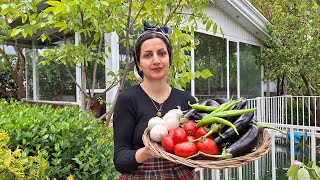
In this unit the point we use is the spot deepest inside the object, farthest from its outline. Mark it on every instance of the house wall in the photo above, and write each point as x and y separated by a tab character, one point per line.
232	32
231	29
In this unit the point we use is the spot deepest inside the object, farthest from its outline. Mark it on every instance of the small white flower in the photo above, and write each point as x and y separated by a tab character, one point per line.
297	163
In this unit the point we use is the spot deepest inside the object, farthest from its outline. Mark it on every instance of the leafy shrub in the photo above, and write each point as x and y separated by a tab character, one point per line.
14	166
300	171
76	143
8	88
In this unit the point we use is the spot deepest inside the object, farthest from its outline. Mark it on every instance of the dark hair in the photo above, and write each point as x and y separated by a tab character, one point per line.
145	36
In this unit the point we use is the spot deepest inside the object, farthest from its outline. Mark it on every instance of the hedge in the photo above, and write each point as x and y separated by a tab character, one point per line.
74	143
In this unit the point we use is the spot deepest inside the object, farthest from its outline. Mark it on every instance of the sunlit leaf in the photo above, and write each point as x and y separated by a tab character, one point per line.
315	171
4	6
303	174
58	9
72	3
14	32
63	28
4	9
29	5
292	170
104	3
60	24
96	36
53	3
215	28
24	34
221	31
208	25
206	73
49	9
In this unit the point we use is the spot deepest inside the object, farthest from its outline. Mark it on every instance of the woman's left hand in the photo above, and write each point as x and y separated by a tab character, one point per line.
144	154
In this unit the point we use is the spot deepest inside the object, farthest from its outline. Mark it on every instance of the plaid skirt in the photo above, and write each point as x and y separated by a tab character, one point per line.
160	169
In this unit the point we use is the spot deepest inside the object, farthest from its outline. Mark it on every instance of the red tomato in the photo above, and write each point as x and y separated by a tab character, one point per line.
201	131
179	135
168	143
208	146
190	127
171	132
185	149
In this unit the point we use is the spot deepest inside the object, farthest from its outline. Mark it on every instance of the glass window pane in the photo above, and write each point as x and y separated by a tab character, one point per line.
211	54
233	69
130	79
250	72
100	75
55	84
28	74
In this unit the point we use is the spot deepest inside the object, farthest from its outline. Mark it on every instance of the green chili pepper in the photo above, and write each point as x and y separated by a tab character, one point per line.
219	108
228	106
230	113
222	106
202	107
261	126
210	120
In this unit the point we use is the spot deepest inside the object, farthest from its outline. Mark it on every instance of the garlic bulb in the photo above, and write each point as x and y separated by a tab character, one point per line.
158	132
177	111
154	121
171	121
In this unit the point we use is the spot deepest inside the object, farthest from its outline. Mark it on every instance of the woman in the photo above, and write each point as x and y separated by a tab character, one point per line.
137	104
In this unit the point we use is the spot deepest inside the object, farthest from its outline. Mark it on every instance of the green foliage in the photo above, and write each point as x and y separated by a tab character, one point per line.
8	89
92	18
265	7
4	29
292	50
300	171
15	166
75	143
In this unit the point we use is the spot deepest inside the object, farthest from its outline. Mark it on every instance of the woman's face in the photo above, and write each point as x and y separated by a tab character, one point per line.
154	59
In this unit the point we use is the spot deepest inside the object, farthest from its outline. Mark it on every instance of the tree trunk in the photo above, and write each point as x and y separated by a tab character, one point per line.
318	117
83	102
128	64
310	92
17	72
285	89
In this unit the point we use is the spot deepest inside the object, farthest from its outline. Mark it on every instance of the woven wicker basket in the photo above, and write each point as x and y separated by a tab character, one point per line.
261	149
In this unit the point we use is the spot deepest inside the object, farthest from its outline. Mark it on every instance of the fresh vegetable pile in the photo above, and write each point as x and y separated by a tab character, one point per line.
214	128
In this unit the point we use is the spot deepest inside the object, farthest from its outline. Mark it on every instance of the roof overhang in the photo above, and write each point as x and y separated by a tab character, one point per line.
26	42
244	13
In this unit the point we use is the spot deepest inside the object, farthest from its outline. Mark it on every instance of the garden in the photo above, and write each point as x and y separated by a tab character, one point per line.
40	142
59	87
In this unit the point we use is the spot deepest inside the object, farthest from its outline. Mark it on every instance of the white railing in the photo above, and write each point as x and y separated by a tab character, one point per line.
290	113
294	110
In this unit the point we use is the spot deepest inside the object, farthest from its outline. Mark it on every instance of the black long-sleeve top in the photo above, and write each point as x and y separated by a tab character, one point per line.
133	110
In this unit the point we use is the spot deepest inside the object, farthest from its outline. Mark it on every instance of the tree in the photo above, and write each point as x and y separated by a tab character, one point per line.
292	51
91	19
12	66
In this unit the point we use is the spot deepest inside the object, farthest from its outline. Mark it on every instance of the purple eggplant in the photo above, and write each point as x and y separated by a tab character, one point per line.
191	113
221	100
213	103
242	124
246	142
241	105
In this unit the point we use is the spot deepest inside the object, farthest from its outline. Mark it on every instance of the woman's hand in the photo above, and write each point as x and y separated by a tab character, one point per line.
144	154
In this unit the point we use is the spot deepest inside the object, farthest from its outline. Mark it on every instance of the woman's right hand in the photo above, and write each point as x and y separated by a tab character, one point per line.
143	154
